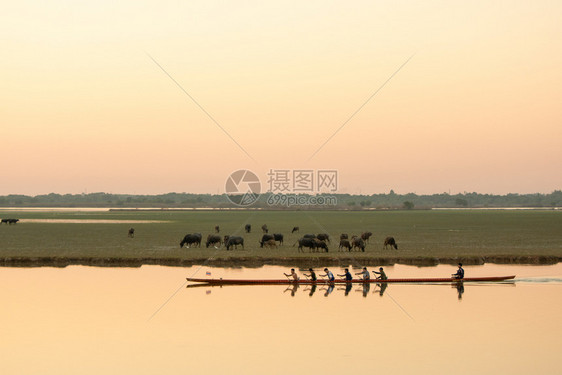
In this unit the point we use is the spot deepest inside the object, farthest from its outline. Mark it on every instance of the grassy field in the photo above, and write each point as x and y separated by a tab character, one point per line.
443	235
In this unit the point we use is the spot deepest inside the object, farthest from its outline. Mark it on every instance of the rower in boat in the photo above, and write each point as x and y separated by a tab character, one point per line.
293	274
347	275
460	273
312	275
365	274
381	273
329	275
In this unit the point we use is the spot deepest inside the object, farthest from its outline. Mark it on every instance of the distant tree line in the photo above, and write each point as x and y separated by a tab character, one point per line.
344	201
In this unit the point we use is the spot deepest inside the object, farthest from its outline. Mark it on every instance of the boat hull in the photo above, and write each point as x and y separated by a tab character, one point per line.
354	281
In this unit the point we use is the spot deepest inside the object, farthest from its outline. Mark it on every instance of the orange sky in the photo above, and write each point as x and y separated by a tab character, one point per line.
84	108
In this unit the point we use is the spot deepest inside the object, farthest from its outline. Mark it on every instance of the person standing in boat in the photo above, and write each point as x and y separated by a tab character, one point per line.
293	274
312	275
365	273
347	275
329	275
460	273
381	273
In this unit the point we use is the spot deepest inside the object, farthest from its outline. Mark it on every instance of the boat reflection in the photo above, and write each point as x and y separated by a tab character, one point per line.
292	288
460	288
380	288
311	289
364	289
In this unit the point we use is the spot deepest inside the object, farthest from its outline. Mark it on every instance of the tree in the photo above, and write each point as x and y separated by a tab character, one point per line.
461	202
408	205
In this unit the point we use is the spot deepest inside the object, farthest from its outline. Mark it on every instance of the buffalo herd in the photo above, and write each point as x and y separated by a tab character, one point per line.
311	242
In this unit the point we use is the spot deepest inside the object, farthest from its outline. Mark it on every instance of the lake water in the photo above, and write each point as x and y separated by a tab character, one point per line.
145	320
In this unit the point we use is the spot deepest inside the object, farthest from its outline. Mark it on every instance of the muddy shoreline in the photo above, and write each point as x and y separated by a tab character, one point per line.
255	262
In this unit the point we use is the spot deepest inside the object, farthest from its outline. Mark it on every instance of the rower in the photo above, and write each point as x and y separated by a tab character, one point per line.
460	273
365	273
381	273
347	275
328	274
293	274
312	275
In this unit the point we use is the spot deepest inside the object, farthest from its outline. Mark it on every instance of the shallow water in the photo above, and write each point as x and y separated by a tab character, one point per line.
116	320
90	221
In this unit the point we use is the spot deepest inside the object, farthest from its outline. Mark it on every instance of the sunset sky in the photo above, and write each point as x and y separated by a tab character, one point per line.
84	108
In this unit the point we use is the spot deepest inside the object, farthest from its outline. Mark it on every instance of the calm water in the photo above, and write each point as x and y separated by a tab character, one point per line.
108	320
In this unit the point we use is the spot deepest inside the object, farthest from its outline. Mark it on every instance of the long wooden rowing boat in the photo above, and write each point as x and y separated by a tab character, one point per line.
355	281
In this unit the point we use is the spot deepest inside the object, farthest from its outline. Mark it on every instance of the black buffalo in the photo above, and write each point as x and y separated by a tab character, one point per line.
264	228
365	236
357	242
389	241
131	232
278	237
295	229
344	236
323	237
321	244
192	238
10	221
217	229
234	241
213	240
307	242
345	244
309	236
248	228
265	238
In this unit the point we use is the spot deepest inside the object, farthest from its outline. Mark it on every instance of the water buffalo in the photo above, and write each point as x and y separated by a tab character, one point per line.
234	241
358	242
264	228
345	244
265	238
344	236
270	243
10	221
131	232
365	236
307	242
321	244
323	237
217	229
295	229
389	241
192	238
278	237
213	240
248	228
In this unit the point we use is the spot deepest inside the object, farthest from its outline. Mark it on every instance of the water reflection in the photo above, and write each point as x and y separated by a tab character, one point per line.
460	288
381	288
292	288
92	320
328	288
311	289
